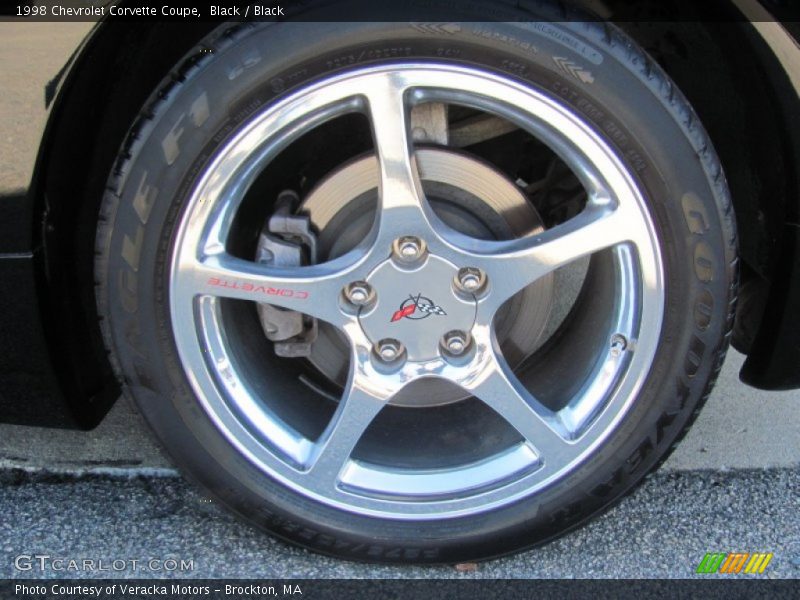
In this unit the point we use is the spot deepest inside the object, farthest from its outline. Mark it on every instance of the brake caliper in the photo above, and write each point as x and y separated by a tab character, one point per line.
287	241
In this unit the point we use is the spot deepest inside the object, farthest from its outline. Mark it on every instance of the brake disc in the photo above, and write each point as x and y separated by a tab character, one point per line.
469	196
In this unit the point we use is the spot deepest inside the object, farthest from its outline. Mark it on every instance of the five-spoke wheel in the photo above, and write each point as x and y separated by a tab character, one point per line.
423	291
412	265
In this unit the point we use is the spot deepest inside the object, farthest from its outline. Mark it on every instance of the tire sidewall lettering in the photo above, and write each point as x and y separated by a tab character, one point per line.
201	117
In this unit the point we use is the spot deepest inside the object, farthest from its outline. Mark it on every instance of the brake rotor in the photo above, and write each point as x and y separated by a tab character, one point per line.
471	197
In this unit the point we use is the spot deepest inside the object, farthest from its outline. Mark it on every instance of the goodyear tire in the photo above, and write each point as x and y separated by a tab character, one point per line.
676	278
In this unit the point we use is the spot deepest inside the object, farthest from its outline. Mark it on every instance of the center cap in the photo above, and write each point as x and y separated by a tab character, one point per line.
417	306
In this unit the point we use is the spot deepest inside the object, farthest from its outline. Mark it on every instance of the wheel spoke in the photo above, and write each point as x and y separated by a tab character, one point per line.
313	290
357	409
407	258
502	391
514	264
402	207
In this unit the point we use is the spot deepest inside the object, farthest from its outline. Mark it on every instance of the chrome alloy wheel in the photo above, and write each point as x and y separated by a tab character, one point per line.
464	280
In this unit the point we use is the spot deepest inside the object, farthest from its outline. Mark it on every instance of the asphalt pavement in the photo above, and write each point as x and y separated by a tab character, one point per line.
111	494
661	531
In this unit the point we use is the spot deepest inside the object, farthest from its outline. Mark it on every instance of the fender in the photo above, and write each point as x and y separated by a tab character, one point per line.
773	362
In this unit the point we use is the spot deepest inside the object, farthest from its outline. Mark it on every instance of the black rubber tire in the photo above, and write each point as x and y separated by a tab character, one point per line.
621	93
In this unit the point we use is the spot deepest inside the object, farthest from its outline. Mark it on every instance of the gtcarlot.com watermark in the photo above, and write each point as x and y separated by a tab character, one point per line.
45	563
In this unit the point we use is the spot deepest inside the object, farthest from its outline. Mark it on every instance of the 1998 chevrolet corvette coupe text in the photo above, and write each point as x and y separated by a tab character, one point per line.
414	291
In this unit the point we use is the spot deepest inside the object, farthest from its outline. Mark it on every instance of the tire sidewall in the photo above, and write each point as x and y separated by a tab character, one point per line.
261	64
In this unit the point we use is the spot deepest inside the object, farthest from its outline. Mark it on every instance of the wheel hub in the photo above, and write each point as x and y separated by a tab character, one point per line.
417	306
469	196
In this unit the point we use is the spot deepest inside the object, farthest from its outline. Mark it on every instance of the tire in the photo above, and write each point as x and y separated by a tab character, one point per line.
674	291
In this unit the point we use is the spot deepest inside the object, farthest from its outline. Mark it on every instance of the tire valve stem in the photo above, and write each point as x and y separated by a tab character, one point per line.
618	344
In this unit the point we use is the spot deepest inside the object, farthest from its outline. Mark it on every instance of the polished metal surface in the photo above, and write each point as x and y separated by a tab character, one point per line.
416	305
470	196
359	293
551	443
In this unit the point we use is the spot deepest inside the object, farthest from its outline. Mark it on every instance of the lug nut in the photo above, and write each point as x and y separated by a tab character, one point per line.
455	343
358	293
470	280
408	248
389	350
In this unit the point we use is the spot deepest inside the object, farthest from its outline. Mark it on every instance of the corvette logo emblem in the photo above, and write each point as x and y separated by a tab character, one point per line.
416	308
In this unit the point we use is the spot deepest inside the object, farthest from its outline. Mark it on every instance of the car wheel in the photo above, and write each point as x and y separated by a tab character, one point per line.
417	292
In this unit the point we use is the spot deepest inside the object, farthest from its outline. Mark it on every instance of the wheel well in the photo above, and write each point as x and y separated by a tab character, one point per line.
117	69
732	81
745	101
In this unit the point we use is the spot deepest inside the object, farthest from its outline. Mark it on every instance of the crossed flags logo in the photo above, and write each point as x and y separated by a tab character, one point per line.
416	308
